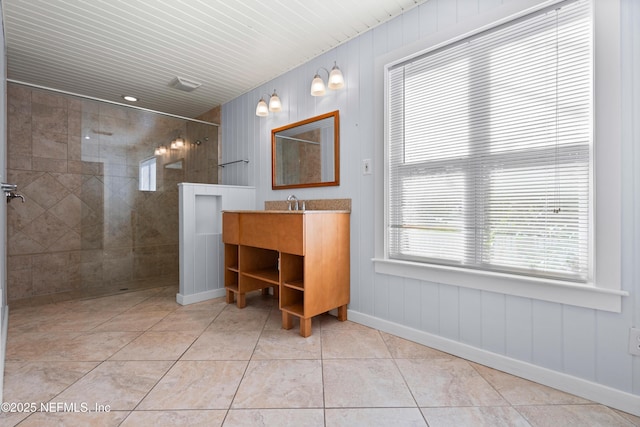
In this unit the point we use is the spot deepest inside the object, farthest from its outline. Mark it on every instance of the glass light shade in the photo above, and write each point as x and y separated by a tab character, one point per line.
262	110
162	149
336	80
157	152
274	103
178	143
317	86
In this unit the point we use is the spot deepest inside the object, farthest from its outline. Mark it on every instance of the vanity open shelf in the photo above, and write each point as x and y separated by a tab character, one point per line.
302	255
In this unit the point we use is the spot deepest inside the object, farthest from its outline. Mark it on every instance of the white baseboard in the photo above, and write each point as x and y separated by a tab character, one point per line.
599	393
200	296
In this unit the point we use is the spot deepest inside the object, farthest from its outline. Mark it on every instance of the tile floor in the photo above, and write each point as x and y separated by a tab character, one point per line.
156	363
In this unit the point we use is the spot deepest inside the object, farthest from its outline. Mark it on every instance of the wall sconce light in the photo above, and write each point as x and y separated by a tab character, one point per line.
197	142
177	143
335	81
274	105
160	150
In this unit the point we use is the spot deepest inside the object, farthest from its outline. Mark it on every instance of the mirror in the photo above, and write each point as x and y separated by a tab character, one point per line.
306	153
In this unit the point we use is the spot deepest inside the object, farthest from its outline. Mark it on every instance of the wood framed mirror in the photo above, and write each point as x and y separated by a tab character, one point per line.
306	153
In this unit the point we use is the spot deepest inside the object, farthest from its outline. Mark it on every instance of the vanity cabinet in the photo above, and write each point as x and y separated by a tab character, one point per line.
302	255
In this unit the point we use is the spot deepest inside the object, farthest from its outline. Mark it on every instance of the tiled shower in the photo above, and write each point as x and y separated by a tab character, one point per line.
86	228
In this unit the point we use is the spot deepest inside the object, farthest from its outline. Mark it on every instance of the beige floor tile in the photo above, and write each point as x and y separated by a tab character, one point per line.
113	303
572	415
121	385
280	384
361	383
374	417
196	385
274	321
35	345
225	345
58	321
213	306
330	322
353	343
75	419
447	382
188	321
157	303
41	381
132	321
66	346
8	419
635	420
275	417
233	318
518	391
210	418
239	367
487	416
405	349
156	346
91	346
283	344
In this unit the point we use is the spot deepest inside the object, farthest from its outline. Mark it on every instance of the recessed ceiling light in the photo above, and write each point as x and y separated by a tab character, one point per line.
129	98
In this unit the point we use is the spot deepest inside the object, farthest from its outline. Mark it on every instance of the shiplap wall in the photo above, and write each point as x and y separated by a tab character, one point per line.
583	343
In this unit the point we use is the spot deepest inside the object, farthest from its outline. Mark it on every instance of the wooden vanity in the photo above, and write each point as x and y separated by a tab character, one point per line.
302	255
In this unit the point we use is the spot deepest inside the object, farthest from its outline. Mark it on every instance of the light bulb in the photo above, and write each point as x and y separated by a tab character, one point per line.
336	80
317	86
274	103
262	110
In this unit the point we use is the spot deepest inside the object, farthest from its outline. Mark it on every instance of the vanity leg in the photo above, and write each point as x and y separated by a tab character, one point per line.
242	301
265	291
342	313
229	296
276	292
287	320
305	326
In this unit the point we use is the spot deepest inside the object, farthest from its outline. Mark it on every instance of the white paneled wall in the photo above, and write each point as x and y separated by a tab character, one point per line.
536	339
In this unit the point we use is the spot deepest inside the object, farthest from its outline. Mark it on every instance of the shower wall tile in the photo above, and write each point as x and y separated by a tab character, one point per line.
48	165
45	191
49	145
19	161
85	223
70	241
19	243
45	230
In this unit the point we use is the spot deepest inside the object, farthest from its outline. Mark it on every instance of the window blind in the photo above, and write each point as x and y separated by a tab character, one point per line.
489	147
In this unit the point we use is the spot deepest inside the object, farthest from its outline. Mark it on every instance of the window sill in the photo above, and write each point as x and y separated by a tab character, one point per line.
587	296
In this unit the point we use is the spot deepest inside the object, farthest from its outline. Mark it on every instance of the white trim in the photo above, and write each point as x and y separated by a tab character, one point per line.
200	296
605	293
523	286
608	396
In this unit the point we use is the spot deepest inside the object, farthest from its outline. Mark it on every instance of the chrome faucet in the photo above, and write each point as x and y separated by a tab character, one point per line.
290	199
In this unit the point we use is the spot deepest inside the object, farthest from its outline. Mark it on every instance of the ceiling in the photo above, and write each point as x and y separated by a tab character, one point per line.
106	49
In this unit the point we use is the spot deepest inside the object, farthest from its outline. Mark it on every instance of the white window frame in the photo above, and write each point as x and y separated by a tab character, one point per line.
604	292
150	165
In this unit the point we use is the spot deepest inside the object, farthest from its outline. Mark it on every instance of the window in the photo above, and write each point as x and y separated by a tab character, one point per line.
490	159
147	181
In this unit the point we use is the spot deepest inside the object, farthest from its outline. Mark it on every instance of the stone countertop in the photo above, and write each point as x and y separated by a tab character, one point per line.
341	205
286	211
